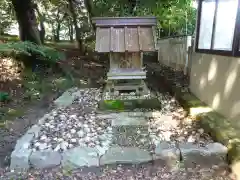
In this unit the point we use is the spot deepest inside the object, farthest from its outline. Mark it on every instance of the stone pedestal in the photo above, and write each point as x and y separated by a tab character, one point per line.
129	101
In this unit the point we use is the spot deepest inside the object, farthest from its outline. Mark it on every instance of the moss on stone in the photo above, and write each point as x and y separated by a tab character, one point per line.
121	105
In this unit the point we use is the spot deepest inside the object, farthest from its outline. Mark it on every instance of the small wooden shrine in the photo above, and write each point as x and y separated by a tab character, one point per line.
125	39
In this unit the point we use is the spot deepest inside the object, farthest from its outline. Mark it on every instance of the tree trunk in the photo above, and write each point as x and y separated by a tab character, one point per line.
27	21
42	27
58	32
77	30
89	7
1	31
70	30
42	32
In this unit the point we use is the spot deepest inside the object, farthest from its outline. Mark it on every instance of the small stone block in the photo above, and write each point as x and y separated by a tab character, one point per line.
126	120
79	157
35	129
45	159
20	158
64	100
24	141
168	153
193	155
125	155
217	149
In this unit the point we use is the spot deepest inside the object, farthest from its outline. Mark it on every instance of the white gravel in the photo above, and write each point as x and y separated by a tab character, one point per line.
79	124
75	125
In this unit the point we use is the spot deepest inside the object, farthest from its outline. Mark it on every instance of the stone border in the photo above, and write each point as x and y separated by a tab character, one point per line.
20	155
23	158
221	129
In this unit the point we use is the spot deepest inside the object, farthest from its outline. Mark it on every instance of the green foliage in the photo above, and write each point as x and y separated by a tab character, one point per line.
6	14
29	49
4	96
175	17
9	38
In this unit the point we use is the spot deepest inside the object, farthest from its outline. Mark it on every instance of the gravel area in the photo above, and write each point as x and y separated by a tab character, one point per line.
175	125
74	125
79	124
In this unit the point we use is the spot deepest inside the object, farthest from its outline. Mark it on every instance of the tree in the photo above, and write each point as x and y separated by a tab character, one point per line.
41	21
70	29
171	14
89	6
77	29
6	14
26	18
132	6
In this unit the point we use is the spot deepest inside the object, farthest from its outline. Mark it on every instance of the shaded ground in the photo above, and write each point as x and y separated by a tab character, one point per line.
32	94
88	72
147	171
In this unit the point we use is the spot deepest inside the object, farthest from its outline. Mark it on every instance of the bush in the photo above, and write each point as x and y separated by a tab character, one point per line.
31	50
9	38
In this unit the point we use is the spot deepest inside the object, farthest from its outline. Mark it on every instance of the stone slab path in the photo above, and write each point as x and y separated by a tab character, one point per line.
75	134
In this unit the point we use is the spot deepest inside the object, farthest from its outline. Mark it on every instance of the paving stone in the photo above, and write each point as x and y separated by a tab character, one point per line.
168	152
154	114
217	149
194	155
65	99
132	136
79	157
137	114
24	141
35	129
126	155
45	159
125	120
107	116
43	119
20	158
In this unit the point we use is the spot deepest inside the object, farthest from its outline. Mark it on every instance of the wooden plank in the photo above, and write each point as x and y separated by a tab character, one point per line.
132	39
125	77
111	40
111	60
127	87
130	73
103	40
136	62
125	38
118	40
97	46
139	39
124	21
147	39
141	59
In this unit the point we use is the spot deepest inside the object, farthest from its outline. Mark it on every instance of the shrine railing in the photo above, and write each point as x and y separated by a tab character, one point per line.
175	52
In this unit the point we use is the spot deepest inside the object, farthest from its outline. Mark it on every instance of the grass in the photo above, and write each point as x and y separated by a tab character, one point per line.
8	114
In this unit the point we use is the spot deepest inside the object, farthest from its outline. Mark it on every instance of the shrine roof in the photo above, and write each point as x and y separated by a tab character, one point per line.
121	34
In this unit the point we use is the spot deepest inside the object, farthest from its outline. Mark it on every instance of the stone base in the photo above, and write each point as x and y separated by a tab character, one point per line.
128	101
129	104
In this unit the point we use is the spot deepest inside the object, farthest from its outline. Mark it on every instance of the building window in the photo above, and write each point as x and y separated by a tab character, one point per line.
218	27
